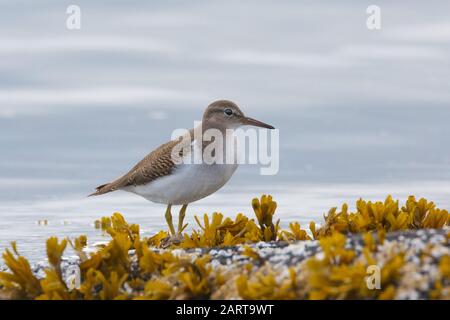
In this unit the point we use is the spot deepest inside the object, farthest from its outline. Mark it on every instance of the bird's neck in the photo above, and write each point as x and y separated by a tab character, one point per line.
202	136
214	125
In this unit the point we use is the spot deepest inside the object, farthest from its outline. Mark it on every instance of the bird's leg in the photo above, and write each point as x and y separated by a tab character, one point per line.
169	219
181	219
174	238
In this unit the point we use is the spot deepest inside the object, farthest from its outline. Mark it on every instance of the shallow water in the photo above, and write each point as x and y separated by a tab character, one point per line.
74	216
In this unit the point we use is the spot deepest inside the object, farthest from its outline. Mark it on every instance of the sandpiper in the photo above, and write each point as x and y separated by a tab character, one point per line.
158	178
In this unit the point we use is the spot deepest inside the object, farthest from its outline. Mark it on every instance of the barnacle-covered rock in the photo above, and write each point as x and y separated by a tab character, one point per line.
380	251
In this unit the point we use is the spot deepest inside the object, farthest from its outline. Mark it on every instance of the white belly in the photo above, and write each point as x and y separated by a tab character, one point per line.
186	184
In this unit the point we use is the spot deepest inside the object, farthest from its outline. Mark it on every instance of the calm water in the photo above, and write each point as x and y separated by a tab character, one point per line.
360	113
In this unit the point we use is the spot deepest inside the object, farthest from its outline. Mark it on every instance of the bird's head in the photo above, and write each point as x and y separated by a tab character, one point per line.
227	115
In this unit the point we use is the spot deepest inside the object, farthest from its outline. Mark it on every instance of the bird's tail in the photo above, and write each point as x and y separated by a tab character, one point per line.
104	188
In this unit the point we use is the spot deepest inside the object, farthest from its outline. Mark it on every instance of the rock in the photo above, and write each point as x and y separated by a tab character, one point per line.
422	249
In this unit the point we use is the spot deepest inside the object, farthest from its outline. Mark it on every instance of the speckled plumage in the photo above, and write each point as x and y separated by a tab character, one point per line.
156	164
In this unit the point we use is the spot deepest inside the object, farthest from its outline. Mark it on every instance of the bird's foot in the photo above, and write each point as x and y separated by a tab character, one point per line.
170	240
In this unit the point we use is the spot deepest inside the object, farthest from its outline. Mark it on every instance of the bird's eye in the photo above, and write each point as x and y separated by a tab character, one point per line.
228	112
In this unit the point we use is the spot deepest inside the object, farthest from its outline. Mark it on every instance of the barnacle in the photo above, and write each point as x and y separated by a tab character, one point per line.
249	252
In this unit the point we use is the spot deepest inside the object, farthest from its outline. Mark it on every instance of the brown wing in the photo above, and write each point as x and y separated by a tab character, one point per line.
155	165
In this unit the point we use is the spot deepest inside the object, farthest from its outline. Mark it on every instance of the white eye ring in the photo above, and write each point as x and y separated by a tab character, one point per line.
228	112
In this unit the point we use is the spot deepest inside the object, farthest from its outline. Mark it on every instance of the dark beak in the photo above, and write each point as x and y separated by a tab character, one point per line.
252	122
